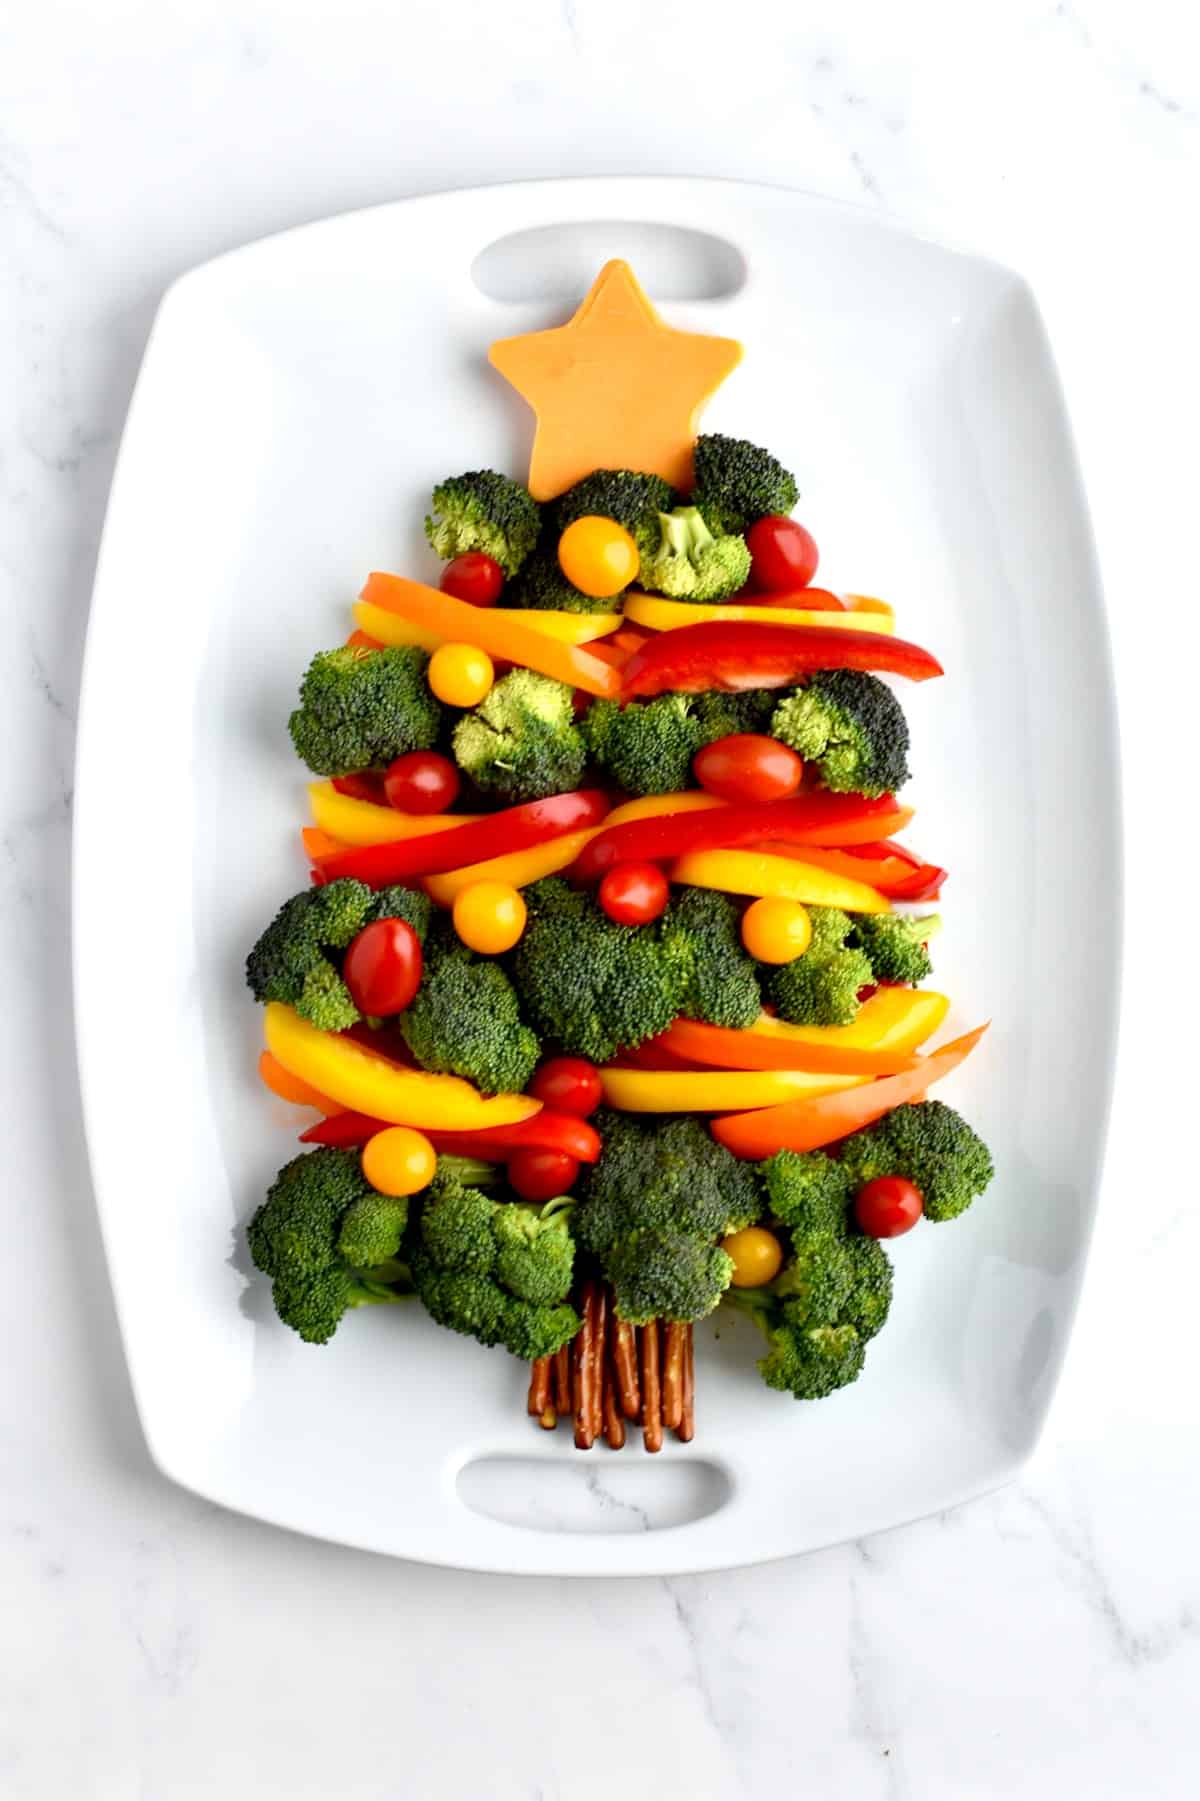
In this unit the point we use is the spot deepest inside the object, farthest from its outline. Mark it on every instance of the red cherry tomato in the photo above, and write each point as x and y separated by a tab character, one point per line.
541	1175
473	577
382	969
421	782
633	894
888	1206
568	1085
747	768
782	553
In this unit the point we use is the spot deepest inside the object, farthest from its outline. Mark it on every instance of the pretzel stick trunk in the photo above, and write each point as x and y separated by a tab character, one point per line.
652	1426
599	1360
625	1368
672	1374
614	1424
687	1423
539	1386
581	1369
561	1376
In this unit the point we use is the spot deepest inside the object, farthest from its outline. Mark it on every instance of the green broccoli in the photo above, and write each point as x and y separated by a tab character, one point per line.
592	985
689	563
737	483
896	944
327	1241
821	987
931	1146
722	986
499	1279
665	1275
542	584
360	708
521	743
633	500
648	746
851	727
484	511
808	1190
296	959
465	1019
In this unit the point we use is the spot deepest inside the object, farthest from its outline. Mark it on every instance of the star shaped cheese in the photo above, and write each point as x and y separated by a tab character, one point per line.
614	388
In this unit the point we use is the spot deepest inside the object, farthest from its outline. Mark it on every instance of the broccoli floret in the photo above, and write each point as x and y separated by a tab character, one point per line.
484	511
633	500
812	1363
535	1252
808	1191
327	1240
592	985
870	1296
722	985
737	483
408	904
821	987
930	1145
296	959
666	1275
896	944
465	1019
648	746
360	708
521	743
851	726
720	714
689	563
542	584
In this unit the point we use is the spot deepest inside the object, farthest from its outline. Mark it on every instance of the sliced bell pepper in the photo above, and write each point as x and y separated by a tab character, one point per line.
807	1125
494	835
923	881
320	844
358	1078
344	1130
867	603
288	1087
893	1019
360	640
382	627
659	615
366	784
748	654
816	818
518	868
713	1090
893	876
544	1131
757	872
491	629
773	1044
366	822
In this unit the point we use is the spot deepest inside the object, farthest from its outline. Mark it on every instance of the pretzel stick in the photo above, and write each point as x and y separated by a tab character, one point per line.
599	1361
672	1374
614	1425
581	1370
687	1423
562	1379
652	1432
539	1385
625	1368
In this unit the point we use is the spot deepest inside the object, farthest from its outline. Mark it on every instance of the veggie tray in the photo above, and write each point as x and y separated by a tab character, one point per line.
601	986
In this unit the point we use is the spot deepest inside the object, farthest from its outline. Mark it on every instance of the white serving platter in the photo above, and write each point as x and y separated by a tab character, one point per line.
297	401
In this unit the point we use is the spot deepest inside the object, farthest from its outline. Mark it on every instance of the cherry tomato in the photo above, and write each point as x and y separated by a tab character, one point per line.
633	894
757	1256
382	969
783	554
888	1206
489	916
421	782
568	1085
598	556
474	577
776	930
399	1161
541	1175
460	674
748	767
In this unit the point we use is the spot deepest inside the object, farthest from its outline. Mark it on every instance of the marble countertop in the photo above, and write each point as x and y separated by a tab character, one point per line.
1044	1641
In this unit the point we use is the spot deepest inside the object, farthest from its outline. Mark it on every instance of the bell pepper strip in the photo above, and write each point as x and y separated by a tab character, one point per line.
655	1053
813	600
713	1090
725	1048
892	876
320	844
894	1019
382	627
360	640
494	835
544	1131
732	655
361	1079
288	1087
362	822
364	785
867	603
345	1130
816	818
491	629
659	615
518	868
757	872
808	1125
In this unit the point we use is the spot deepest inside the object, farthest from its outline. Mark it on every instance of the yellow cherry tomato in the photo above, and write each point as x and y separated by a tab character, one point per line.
757	1255
489	916
460	674
776	930
399	1161
598	556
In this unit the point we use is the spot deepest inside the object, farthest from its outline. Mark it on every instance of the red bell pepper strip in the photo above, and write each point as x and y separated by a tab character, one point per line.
361	787
517	828
809	1125
345	1130
924	881
737	654
894	876
545	1131
815	818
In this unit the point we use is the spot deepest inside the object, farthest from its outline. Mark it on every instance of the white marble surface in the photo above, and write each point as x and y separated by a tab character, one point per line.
1040	1643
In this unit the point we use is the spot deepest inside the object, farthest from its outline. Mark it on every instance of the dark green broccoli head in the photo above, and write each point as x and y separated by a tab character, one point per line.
930	1145
896	944
821	988
521	743
408	904
465	1019
870	1297
722	983
484	511
633	500
648	746
535	1252
372	1228
808	1191
737	483
812	1362
851	727
360	708
542	585
663	1173
666	1275
689	563
720	715
298	958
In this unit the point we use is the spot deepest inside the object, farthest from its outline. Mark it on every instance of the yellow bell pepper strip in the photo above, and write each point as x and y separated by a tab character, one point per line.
758	872
365	822
569	628
773	1044
894	1020
491	629
494	835
658	806
518	868
714	1090
867	603
288	1087
365	1082
659	615
808	1125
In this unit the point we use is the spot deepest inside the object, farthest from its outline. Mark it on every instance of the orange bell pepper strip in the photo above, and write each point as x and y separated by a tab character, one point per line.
760	873
360	640
364	822
488	628
894	876
712	1090
808	1125
382	627
288	1087
788	1047
320	844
